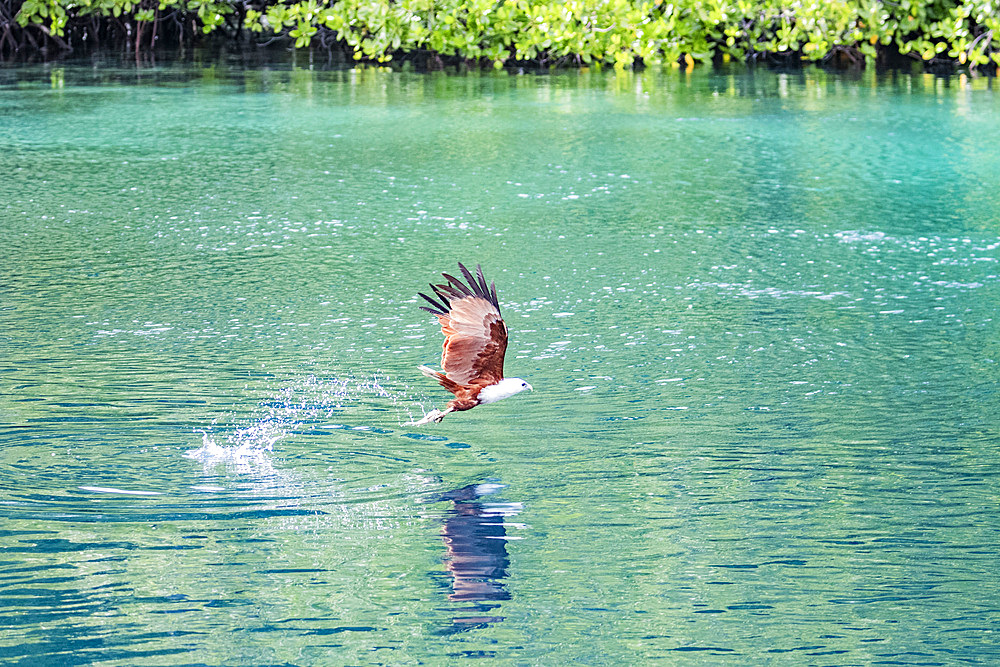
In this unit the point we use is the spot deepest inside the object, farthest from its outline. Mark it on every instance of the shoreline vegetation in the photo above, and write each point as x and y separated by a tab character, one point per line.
941	35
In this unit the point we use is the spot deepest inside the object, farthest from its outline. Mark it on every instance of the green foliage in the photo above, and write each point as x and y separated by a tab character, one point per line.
602	32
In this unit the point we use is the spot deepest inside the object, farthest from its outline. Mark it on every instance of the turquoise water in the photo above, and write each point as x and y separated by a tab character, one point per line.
757	310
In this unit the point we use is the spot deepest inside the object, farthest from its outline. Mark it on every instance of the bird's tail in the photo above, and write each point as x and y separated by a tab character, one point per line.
441	378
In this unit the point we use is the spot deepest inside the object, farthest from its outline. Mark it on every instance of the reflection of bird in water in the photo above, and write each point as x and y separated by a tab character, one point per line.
476	540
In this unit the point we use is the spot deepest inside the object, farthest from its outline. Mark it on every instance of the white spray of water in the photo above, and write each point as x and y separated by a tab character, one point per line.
248	449
311	401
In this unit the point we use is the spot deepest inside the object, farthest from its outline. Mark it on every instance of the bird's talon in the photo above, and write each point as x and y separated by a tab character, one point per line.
432	416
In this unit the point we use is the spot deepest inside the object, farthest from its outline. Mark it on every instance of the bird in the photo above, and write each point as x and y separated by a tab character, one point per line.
474	344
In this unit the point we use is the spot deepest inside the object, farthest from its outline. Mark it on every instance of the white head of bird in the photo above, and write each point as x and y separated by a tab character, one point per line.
505	388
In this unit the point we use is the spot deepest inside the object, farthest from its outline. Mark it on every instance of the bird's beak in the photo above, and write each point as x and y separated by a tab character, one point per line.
530	388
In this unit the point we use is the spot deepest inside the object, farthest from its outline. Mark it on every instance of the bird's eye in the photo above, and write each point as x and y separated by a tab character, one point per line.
524	384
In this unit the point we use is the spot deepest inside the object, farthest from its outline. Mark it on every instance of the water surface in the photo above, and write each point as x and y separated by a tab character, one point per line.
757	308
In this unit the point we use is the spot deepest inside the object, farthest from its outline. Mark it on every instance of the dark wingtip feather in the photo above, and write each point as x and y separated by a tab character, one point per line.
478	283
469	279
456	289
450	293
439	308
458	284
481	281
489	291
440	292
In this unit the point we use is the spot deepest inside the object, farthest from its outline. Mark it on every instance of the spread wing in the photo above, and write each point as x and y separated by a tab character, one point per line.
475	333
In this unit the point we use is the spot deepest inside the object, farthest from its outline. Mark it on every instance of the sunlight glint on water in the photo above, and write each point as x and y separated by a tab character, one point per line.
757	310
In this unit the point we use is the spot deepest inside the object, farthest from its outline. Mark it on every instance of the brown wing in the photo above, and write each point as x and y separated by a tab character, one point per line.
475	333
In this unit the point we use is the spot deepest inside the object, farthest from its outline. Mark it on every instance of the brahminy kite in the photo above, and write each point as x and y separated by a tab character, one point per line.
474	344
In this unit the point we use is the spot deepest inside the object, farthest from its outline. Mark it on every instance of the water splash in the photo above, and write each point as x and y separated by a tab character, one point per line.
249	449
311	403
